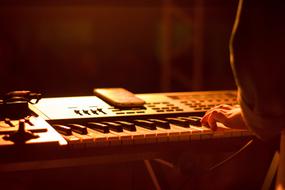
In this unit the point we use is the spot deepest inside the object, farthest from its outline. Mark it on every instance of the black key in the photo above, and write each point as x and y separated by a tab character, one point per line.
145	124
193	120
78	128
114	126
101	127
180	122
127	125
161	123
65	130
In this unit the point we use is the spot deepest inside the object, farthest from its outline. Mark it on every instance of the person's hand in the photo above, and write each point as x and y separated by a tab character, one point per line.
230	116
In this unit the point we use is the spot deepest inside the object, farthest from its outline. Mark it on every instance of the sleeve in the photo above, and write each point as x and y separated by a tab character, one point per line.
260	67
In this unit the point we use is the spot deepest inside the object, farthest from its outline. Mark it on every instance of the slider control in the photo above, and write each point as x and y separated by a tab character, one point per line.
77	112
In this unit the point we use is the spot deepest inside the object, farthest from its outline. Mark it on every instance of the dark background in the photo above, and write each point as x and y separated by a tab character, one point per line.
68	48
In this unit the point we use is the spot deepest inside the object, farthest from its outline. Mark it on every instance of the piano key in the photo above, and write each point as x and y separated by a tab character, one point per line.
103	139
179	122
161	135
222	131
127	125
160	123
85	140
144	135
206	133
65	130
78	128
193	120
171	135
100	139
73	141
220	134
114	126
137	137
183	133
149	135
103	128
146	124
124	137
153	136
230	131
194	134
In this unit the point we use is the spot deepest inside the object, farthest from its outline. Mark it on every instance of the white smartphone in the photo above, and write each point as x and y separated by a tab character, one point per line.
119	97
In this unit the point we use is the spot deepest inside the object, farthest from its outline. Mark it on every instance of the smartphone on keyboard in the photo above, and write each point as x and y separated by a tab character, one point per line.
119	97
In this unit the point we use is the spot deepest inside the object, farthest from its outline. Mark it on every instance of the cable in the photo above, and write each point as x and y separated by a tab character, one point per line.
164	162
152	174
231	156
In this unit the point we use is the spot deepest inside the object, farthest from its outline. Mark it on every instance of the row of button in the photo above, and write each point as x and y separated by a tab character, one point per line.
163	107
82	112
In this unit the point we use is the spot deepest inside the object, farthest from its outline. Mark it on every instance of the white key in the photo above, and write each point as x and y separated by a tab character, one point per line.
73	141
173	133
86	140
137	137
104	139
222	131
205	132
161	135
184	133
229	132
149	135
125	138
195	134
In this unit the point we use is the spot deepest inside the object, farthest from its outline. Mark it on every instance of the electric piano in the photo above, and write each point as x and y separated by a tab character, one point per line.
70	131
